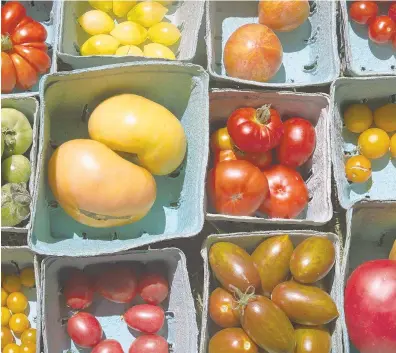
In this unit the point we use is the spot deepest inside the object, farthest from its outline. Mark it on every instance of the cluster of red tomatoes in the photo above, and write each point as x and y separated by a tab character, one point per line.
381	28
118	284
245	177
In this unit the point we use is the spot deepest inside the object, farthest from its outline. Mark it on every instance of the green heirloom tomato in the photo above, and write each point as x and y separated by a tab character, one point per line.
2	145
16	169
15	202
18	134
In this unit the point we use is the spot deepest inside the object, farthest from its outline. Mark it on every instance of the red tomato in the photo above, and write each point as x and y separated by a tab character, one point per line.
78	291
118	284
297	144
288	194
260	160
24	53
237	188
145	318
222	308
255	130
84	329
392	12
363	12
149	344
108	346
370	307
153	288
220	140
382	29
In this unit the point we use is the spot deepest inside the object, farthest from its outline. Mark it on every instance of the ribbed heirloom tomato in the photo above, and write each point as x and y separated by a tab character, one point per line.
23	49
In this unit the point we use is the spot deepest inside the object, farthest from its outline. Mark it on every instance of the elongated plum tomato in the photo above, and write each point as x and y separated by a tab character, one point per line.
382	29
283	16
253	52
149	344
363	12
118	284
153	288
255	130
232	340
220	140
78	290
237	187
108	346
145	318
288	194
84	329
297	144
222	308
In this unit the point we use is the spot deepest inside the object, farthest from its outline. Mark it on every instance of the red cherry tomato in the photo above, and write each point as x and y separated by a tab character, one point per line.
392	11
297	144
108	346
260	160
288	194
363	12
149	344
145	318
153	288
78	291
382	29
118	284
84	329
237	188
255	130
220	140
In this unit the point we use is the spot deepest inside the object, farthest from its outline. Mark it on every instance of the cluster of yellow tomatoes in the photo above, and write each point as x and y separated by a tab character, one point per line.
373	142
14	321
144	27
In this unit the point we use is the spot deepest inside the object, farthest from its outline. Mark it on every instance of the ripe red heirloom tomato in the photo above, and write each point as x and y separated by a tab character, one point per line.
382	29
363	12
108	346
145	318
78	290
237	187
84	329
288	194
153	288
255	130
149	344
23	49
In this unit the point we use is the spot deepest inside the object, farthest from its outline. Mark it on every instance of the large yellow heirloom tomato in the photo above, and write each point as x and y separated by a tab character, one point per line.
134	124
79	169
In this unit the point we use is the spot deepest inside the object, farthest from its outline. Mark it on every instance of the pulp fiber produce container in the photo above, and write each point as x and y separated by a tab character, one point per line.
45	12
14	259
375	91
371	232
180	328
361	56
28	105
310	53
249	242
179	208
186	15
316	171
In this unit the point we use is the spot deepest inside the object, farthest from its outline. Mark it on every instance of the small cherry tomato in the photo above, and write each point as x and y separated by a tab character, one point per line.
392	11
78	290
145	318
373	143
393	146
4	296
19	323
27	277
17	302
149	344
108	346
11	348
220	140
385	117
153	288
358	169
358	117
29	336
222	308
28	348
12	283
84	329
363	12
6	336
5	316
382	29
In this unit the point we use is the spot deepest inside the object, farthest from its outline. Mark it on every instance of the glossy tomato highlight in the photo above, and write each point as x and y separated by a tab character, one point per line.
145	318
84	329
363	12
382	29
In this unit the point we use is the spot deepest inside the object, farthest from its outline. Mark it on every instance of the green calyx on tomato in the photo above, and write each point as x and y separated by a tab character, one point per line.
15	202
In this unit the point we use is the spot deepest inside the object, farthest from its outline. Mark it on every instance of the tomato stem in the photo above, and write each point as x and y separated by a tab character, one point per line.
6	43
263	114
243	298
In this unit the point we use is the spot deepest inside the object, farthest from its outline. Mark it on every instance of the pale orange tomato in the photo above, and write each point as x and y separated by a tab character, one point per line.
17	302
19	323
29	336
374	143
358	169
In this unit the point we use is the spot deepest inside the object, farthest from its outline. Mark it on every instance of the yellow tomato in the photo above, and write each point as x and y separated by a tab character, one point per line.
96	22
147	13
393	146
4	296
129	50
28	348
374	143
122	7
12	348
29	336
129	32
19	323
385	117
17	302
155	50
164	33
5	316
12	283
102	44
358	169
105	6
6	336
27	277
358	117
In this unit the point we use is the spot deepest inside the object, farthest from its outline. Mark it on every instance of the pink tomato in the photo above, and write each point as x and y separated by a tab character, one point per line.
153	288
149	344
145	318
84	329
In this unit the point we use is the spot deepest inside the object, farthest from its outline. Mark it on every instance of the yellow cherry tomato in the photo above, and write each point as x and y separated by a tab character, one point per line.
102	44
393	146
164	33
29	336
96	22
5	316
12	348
129	32
129	50
28	348
155	50
358	169
105	6
385	117
6	336
27	277
17	302
122	7
373	143
4	296
12	283
19	323
358	117
147	13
